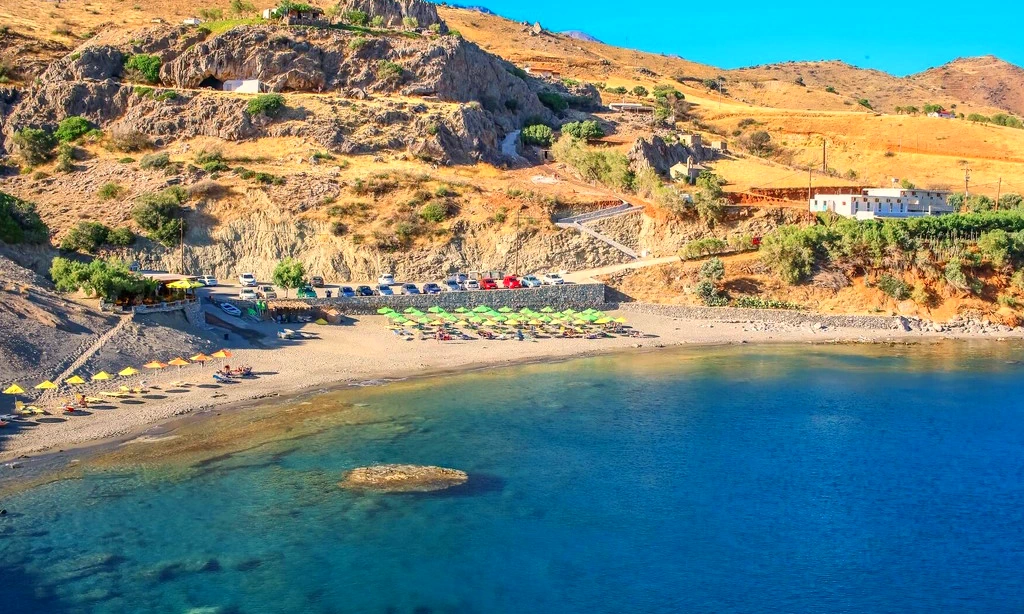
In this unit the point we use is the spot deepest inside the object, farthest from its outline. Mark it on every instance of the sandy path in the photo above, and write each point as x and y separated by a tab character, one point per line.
367	351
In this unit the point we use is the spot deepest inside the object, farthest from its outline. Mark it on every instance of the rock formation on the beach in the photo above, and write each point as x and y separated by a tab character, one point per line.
403	478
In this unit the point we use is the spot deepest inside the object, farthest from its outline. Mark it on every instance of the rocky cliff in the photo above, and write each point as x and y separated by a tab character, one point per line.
395	12
659	155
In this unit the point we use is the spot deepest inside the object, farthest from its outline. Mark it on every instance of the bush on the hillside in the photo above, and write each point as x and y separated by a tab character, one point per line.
760	142
606	166
108	279
389	71
586	130
864	102
435	212
160	214
35	145
144	66
19	221
713	269
377	22
120	237
553	101
894	287
265	104
85	237
789	253
757	302
154	161
211	161
703	247
65	158
357	43
538	134
71	128
410	22
355	17
640	91
128	140
110	191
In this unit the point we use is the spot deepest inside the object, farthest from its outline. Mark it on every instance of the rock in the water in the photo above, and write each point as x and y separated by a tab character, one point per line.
403	478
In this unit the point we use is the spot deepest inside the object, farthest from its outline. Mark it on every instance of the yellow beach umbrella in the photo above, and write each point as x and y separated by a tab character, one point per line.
156	364
128	371
178	362
321	321
47	385
620	320
602	321
200	357
221	354
74	379
185	284
101	376
14	389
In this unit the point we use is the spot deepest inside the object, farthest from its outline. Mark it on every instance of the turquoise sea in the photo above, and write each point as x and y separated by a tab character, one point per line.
736	479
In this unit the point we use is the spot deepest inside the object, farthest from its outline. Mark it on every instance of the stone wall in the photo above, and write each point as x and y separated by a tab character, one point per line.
566	296
780	316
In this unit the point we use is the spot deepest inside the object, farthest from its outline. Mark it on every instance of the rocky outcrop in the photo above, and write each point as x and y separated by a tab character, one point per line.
402	478
394	12
655	153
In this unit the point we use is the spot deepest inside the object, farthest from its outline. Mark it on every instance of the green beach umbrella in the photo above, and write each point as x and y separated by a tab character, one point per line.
476	320
436	309
481	309
505	310
568	312
461	310
544	318
546	309
385	310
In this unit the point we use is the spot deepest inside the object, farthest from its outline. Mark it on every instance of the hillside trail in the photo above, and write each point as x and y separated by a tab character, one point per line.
84	356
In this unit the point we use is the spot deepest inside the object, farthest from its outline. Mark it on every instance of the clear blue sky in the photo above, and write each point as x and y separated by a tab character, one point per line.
742	33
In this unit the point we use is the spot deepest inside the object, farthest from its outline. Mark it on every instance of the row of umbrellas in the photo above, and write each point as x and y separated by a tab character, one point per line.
483	314
76	380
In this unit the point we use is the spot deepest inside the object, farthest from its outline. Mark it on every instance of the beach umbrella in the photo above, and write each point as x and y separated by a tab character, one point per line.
413	311
436	309
74	379
185	284
602	321
580	322
178	362
588	310
534	322
127	371
620	320
505	310
101	376
568	312
546	309
321	321
385	310
461	310
544	318
47	385
14	389
476	319
200	357
221	354
156	364
481	309
400	320
424	320
411	323
394	315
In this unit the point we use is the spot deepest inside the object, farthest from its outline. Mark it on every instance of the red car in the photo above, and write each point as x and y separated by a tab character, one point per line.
488	284
512	282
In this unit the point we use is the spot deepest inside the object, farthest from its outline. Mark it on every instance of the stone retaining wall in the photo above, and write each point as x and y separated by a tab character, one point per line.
565	296
781	316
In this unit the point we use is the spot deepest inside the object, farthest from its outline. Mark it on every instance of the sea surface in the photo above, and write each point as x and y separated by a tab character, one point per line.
738	479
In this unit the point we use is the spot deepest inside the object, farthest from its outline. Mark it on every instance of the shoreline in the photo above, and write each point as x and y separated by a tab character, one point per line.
324	366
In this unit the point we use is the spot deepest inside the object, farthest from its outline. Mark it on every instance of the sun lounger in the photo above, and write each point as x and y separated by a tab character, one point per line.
117	394
93	400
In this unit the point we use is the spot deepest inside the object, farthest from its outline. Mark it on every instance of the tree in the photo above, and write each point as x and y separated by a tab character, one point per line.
19	221
640	91
242	7
144	66
71	128
85	237
289	273
109	279
538	134
160	214
760	141
788	252
711	272
713	269
588	129
35	146
410	22
356	17
907	184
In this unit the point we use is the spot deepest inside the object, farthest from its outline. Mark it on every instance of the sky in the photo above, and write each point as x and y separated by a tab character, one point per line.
901	39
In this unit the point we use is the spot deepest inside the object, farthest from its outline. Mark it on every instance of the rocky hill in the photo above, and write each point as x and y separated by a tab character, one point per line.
981	81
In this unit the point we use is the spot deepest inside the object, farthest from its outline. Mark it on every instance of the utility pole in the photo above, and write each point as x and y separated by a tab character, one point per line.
516	270
824	160
999	186
967	183
181	239
810	170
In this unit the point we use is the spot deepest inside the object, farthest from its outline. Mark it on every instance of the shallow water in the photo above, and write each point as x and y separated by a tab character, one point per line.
743	479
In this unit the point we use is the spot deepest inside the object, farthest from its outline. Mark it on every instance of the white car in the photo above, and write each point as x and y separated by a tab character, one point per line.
207	280
247	280
247	294
472	284
531	281
231	310
387	279
551	279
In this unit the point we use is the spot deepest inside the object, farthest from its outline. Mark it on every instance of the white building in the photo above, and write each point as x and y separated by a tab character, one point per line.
243	86
191	21
883	203
943	114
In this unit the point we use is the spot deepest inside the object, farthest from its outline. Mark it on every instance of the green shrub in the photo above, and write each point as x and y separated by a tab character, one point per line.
160	214
71	128
109	279
586	130
789	253
377	22
19	221
85	237
894	287
110	191
830	89
211	161
553	101
444	191
389	71
702	247
154	161
35	146
955	275
65	158
757	302
640	91
166	95
143	92
410	22
129	140
266	104
244	173
606	166
126	160
435	212
355	17
865	103
268	179
538	134
144	66
518	72
357	43
713	269
120	237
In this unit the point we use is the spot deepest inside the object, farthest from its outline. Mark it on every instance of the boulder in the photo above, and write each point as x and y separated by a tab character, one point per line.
402	478
655	153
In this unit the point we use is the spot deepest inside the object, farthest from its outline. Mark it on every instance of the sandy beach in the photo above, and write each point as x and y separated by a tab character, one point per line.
366	353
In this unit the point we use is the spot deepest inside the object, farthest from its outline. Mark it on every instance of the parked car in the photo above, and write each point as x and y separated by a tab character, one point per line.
387	279
207	280
488	284
247	280
511	282
231	310
472	284
306	291
248	294
385	290
316	281
410	289
431	288
459	278
346	291
531	281
266	292
452	285
364	291
552	279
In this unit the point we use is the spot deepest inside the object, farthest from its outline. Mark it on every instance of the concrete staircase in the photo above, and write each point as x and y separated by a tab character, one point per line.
84	357
578	222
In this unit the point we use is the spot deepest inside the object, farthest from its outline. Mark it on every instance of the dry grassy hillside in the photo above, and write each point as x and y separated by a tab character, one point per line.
985	80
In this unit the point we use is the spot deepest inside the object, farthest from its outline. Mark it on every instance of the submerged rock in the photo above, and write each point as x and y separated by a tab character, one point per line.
403	478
